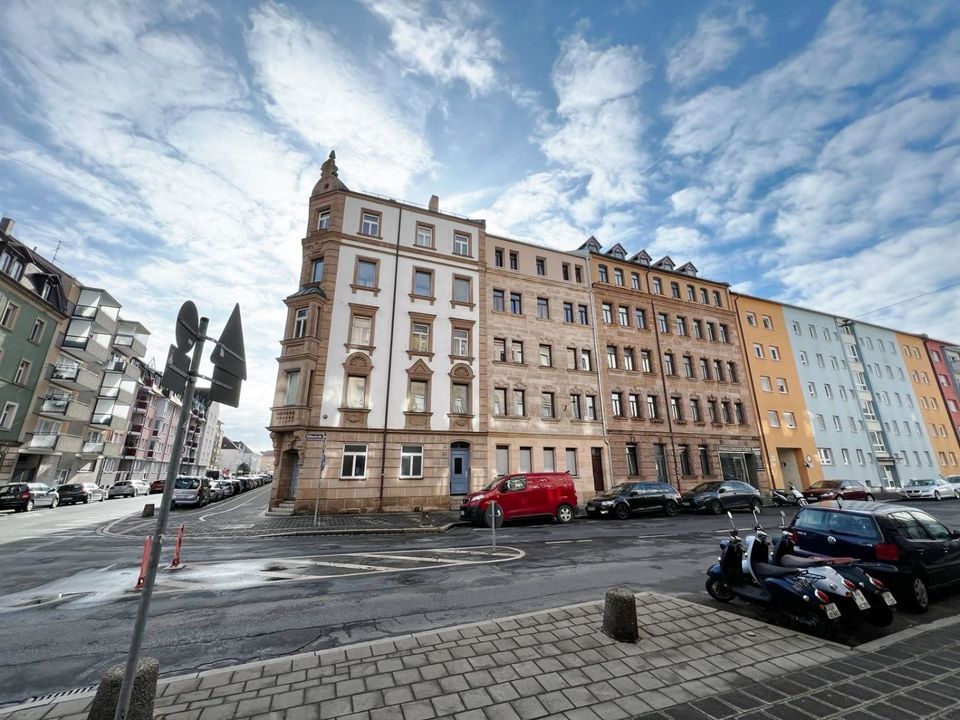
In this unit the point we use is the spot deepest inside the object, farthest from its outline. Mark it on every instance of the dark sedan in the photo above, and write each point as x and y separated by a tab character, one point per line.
157	486
80	493
716	496
23	497
907	549
623	500
833	489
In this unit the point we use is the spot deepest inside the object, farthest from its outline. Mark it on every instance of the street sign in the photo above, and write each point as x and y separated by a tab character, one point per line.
228	354
188	324
315	436
175	373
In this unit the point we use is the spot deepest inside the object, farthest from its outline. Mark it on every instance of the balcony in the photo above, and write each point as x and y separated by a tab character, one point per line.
130	451
108	414
92	448
131	339
89	347
73	377
61	408
135	430
290	416
99	308
52	443
115	387
112	450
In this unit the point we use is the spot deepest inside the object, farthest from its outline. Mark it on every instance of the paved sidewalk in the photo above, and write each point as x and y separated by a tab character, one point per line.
554	663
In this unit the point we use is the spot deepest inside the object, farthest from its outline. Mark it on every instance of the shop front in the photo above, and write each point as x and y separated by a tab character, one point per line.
740	463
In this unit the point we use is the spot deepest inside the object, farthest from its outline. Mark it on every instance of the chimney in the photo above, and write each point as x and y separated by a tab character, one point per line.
434	204
6	226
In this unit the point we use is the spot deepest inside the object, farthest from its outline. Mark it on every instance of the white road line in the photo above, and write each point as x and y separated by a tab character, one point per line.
203	518
646	537
350	566
389	556
557	542
485	553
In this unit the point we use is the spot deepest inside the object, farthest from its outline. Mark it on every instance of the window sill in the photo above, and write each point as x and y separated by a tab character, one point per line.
550	419
454	304
468	416
413	298
353	478
419	353
461	359
701	423
584	421
512	417
368	235
365	288
656	420
365	348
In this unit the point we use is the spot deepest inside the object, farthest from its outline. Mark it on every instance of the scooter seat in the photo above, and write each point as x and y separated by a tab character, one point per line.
765	570
795	561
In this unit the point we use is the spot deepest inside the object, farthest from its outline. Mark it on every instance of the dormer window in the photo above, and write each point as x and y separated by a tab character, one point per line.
11	265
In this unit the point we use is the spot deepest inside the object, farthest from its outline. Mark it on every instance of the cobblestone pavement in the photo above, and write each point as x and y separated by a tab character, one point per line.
554	663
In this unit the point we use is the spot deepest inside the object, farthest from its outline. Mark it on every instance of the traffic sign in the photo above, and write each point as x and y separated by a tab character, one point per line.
315	436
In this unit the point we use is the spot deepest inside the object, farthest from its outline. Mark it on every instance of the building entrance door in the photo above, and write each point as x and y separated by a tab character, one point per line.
596	456
293	457
459	468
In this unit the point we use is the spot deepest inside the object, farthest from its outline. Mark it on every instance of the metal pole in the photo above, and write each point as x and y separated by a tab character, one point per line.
493	523
316	500
133	656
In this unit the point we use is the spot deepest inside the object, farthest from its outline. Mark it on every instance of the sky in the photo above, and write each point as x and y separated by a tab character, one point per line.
802	151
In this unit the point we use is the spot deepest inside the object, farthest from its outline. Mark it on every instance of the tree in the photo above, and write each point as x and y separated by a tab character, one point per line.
243	469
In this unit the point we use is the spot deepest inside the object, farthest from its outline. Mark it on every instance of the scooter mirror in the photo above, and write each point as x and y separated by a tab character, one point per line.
783	519
756	520
730	517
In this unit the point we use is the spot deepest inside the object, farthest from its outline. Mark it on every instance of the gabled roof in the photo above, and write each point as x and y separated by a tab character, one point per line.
592	244
617	251
642	257
227	444
665	263
307	291
688	268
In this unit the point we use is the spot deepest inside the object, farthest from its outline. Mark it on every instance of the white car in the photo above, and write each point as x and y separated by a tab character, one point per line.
954	480
128	488
930	489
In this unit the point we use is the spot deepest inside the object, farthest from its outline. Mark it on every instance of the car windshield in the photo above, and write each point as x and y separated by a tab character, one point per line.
187	483
921	483
826	484
621	489
121	483
491	485
10	490
70	487
706	487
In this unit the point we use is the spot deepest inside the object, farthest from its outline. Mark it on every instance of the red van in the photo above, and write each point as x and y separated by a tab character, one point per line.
522	495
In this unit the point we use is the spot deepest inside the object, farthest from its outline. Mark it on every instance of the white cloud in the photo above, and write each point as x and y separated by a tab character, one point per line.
712	46
450	41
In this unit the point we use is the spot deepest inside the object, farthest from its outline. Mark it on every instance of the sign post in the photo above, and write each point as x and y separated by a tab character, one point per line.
323	463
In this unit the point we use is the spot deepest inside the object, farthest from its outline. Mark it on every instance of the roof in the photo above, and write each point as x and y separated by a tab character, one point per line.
859	506
38	271
227	444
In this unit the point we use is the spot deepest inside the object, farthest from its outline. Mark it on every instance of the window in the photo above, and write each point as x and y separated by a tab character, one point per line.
767	322
366	273
796	328
22	376
292	393
732	372
585	360
411	461
354	461
541	266
691	293
575	407
370	224
499	350
825	455
591	407
578	274
602	270
687	366
716	298
461	244
9	415
462	290
526	459
704	296
317	270
663	322
623	315
424	236
774	352
820	362
704	460
698	329
657	286
514	260
740	413
645	361
724	333
498	301
773	418
568	312
640	317
827	391
546	405
618	276
681	325
461	342
695	414
845	456
653	407
543	308
519	403
572	461
812	389
323	219
460	398
634	401
516	351
758	350
751	319
837	424
704	368
789	420
676	409
821	423
499	401
417	397
765	383
628	359
300	323
635	281
612	357
685	468
38	327
565	271
606	313
549	460
712	411
861	460
633	467
675	290
503	459
356	392
782	385
668	365
711	332
803	358
423	283
420	337
616	401
498	257
9	317
725	411
582	312
718	371
546	356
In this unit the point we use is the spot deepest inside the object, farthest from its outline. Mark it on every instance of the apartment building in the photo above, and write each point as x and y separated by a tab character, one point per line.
211	437
945	361
933	408
677	402
238	458
149	444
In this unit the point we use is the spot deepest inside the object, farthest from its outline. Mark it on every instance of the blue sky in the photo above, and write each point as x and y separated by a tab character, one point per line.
802	151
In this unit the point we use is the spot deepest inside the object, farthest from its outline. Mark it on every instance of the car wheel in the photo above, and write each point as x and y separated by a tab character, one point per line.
936	495
491	520
716	507
102	498
565	514
719	590
86	500
756	505
622	511
29	506
869	497
917	596
670	508
54	502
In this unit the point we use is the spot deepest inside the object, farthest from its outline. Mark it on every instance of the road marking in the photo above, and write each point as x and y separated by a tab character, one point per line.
645	537
203	518
349	566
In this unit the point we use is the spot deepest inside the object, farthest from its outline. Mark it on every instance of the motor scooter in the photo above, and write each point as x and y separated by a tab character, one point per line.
869	594
744	573
792	496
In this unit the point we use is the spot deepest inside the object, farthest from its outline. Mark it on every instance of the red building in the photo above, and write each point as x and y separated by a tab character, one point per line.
947	380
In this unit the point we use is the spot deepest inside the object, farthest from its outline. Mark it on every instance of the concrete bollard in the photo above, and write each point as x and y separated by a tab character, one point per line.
620	615
148	510
141	701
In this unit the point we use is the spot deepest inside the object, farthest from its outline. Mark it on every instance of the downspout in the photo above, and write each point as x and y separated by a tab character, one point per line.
393	322
598	356
753	394
663	383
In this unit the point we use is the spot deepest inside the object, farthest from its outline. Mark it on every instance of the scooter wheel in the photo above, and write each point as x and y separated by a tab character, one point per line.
880	616
817	624
719	590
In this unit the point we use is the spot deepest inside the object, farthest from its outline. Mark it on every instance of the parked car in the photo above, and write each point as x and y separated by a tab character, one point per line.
216	493
522	495
157	485
24	497
226	488
191	490
716	496
73	493
929	489
624	499
843	489
908	550
125	488
237	485
954	481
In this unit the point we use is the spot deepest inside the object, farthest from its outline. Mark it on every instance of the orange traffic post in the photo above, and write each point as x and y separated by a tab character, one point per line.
175	563
143	563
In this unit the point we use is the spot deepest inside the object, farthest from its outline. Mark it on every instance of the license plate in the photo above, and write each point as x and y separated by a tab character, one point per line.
888	598
462	514
833	612
861	601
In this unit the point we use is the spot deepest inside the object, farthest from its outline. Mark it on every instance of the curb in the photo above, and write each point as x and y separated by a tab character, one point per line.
906	634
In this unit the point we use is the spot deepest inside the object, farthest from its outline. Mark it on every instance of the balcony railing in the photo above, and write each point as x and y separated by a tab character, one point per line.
92	448
53	442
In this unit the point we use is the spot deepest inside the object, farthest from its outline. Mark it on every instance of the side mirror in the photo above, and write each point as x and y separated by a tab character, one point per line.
722	490
955	533
634	493
783	519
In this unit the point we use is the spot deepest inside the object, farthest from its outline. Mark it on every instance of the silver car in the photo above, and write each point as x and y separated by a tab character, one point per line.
929	489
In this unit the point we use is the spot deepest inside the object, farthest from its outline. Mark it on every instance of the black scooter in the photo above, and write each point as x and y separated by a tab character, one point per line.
791	496
744	573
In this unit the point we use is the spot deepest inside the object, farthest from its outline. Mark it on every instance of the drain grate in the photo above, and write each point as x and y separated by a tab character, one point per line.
62	694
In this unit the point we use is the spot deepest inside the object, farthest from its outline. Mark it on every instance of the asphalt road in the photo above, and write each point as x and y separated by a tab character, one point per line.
241	600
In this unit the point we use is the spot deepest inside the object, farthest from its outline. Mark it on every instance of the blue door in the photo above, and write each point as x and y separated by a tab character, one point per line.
459	469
